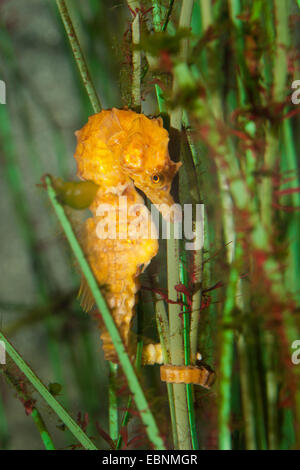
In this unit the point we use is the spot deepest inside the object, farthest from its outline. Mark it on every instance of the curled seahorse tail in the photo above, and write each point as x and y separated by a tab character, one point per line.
152	354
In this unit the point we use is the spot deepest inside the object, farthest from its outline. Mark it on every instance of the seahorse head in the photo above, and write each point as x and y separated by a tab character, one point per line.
145	159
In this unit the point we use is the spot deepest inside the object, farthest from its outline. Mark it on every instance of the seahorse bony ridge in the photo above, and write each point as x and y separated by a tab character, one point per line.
118	150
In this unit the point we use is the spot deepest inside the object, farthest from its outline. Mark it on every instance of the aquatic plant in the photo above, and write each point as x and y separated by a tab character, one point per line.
219	77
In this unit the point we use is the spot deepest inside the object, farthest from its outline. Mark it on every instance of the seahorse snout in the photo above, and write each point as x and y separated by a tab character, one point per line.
164	202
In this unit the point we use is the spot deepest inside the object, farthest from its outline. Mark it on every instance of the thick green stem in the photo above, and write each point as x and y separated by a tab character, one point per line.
226	353
197	265
184	22
176	342
247	402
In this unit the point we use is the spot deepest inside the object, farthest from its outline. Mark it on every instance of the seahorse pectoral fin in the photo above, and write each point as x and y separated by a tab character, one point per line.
85	296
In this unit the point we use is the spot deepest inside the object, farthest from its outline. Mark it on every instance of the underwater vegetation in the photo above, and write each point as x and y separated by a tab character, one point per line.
180	331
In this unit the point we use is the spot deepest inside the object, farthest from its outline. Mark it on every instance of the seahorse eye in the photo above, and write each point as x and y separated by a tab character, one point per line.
156	178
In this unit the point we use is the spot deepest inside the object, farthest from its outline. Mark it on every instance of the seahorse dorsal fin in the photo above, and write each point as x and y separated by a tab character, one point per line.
85	296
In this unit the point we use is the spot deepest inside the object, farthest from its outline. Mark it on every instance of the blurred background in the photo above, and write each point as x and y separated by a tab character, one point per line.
46	103
39	311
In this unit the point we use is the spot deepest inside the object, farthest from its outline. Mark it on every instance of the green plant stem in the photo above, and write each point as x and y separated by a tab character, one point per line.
162	326
272	390
243	78
95	102
4	433
289	164
157	27
247	402
138	363
255	362
15	181
113	402
259	237
136	64
184	22
164	337
198	255
34	413
156	12
245	83
227	334
282	11
40	424
78	55
226	353
279	91
176	341
168	16
134	385
78	433
270	160
172	341
187	360
186	316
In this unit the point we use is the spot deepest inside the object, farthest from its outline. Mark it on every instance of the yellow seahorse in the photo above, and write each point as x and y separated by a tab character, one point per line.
120	150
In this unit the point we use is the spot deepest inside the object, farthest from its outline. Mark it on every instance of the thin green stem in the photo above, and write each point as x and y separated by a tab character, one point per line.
226	354
169	12
247	402
289	164
4	433
177	392
280	73
184	22
113	402
272	391
136	64
40	424
15	181
138	365
157	27
78	55
78	433
197	255
34	413
186	313
164	337
176	340
187	359
134	385
127	414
